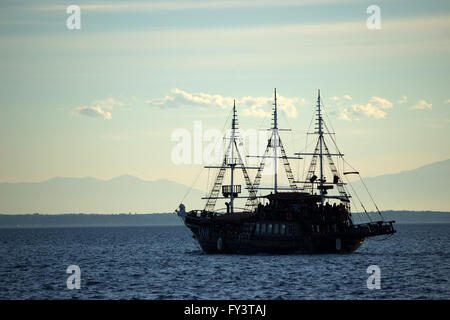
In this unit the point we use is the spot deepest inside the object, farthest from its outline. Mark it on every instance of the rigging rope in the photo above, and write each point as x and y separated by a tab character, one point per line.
333	139
367	190
354	192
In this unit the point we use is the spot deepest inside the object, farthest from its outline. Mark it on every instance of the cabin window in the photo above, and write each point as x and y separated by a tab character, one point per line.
276	228
257	228
263	228
269	228
283	228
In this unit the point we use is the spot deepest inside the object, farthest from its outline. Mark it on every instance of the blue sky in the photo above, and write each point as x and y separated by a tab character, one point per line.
90	102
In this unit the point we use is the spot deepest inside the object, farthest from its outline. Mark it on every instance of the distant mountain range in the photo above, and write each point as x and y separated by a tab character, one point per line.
423	189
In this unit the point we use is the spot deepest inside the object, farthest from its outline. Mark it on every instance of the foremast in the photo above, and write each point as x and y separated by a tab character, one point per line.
232	160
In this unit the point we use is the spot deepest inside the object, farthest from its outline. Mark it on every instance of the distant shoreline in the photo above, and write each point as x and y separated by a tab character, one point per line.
12	221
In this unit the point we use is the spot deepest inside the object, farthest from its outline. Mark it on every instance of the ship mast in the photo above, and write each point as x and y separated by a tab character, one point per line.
275	144
319	118
321	150
232	163
232	160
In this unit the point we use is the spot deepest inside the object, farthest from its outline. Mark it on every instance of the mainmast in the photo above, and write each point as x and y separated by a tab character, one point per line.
275	144
319	118
232	163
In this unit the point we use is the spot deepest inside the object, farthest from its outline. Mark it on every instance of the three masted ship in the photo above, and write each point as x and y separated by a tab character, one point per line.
304	217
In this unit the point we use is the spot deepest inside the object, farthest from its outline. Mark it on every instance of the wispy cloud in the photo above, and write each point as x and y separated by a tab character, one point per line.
187	5
236	45
99	108
252	106
421	105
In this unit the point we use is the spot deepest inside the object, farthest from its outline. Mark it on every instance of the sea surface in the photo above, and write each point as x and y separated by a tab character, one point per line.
166	263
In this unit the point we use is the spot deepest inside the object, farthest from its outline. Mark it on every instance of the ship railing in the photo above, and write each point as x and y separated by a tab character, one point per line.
196	213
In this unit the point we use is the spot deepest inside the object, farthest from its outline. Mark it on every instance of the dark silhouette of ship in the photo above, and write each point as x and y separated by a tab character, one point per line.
301	218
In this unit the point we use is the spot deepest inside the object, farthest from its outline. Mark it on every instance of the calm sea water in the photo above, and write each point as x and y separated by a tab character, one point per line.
165	263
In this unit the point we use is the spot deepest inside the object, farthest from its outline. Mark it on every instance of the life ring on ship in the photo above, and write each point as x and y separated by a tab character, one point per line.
289	216
219	244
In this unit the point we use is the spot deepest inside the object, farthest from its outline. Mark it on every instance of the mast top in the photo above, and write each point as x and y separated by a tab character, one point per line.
275	115
234	121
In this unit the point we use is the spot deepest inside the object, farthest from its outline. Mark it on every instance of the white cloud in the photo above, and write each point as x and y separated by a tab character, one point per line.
381	103
368	110
421	105
254	111
403	99
98	108
183	98
252	106
344	97
344	114
347	97
93	111
108	103
375	108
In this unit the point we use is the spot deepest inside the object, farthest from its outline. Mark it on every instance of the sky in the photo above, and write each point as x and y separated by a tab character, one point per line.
105	100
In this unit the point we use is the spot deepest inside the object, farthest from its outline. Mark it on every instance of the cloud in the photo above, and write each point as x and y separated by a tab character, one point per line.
344	114
93	112
368	110
403	99
108	103
189	5
99	108
421	105
347	97
381	103
344	97
375	108
447	101
252	106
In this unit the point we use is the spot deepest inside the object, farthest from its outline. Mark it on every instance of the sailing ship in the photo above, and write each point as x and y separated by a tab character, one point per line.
304	217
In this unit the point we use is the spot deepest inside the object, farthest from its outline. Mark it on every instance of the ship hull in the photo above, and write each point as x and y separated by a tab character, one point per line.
275	233
308	245
250	242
